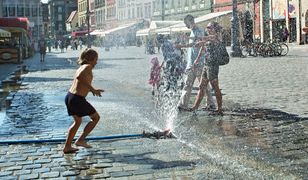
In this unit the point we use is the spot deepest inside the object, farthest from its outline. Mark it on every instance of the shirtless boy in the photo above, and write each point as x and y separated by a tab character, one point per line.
76	103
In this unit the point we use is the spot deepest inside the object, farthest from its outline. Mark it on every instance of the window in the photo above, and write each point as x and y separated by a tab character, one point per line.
27	11
5	14
172	4
59	9
60	17
20	11
11	11
34	12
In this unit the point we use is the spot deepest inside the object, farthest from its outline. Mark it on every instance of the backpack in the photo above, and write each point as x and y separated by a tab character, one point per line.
217	54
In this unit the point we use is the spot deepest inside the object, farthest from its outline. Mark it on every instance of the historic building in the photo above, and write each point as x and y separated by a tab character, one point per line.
59	11
100	14
134	10
178	9
111	14
85	10
25	8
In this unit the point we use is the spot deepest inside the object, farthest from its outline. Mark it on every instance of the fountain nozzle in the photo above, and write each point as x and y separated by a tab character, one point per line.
166	134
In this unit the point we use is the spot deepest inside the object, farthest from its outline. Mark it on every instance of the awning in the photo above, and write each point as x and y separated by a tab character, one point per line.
79	33
143	32
120	28
97	32
220	17
4	33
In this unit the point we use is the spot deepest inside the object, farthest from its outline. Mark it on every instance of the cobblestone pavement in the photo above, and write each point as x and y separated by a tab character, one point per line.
262	136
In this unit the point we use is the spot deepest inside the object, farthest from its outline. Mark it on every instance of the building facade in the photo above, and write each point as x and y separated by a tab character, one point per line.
134	10
45	17
178	9
59	11
72	22
269	18
83	7
111	14
31	9
1	7
100	14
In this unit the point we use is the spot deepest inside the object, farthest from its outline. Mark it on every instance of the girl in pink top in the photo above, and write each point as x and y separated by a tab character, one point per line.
155	73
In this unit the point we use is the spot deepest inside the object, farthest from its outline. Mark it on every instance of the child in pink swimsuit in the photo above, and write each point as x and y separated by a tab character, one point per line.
155	73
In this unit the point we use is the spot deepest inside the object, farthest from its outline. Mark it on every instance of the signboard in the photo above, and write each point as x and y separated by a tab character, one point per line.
279	9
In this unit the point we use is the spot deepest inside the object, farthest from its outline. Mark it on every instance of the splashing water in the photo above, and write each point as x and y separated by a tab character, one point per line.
166	105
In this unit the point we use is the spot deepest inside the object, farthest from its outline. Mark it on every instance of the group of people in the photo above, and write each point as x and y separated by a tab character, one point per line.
204	52
204	49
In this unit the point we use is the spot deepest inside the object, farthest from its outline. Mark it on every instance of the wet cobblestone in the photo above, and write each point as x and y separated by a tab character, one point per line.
255	142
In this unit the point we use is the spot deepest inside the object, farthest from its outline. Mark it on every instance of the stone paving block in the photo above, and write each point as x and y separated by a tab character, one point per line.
9	178
50	175
113	169
59	169
55	154
33	166
120	174
101	176
13	168
29	176
105	161
70	173
41	170
58	160
103	165
5	173
141	177
24	163
22	172
17	159
42	161
118	178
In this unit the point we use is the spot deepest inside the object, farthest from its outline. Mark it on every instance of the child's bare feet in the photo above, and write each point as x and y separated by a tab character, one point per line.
83	144
69	150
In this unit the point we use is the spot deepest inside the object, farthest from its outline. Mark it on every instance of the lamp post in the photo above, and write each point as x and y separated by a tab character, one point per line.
162	10
235	44
88	24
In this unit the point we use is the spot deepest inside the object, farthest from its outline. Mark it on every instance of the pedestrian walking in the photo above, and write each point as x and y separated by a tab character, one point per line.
42	48
76	103
193	71
214	52
80	44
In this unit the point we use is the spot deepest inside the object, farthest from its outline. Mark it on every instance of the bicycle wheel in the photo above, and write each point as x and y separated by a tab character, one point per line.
245	51
284	49
263	50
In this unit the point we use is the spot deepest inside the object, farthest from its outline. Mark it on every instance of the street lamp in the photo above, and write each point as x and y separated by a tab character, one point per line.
88	23
162	10
235	45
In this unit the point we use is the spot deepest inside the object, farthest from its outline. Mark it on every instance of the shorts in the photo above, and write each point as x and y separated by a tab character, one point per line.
78	105
210	72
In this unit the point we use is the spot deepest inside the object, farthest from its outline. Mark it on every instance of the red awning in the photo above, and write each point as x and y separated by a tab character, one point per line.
15	22
79	33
